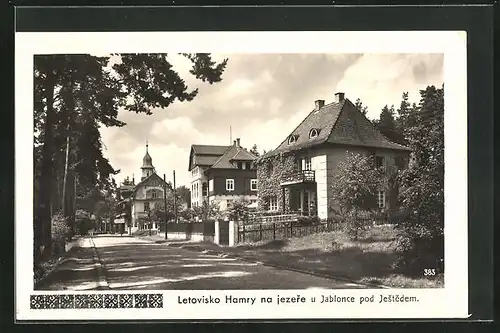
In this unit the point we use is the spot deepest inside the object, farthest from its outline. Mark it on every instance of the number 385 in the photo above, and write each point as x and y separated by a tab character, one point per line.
429	272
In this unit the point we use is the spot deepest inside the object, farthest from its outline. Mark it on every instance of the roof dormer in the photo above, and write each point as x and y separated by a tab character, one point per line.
314	132
293	138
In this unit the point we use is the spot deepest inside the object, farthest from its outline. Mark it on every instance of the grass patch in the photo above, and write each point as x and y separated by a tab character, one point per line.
401	281
369	259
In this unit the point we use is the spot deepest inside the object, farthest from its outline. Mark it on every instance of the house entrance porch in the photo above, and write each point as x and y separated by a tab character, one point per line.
301	199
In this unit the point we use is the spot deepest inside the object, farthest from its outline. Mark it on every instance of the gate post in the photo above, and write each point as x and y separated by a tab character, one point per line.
217	232
233	233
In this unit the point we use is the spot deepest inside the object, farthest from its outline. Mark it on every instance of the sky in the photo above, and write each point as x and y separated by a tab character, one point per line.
262	98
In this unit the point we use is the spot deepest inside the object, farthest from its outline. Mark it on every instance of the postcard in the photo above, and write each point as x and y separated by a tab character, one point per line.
241	175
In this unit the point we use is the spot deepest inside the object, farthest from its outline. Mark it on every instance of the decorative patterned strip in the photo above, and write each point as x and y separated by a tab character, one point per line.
96	301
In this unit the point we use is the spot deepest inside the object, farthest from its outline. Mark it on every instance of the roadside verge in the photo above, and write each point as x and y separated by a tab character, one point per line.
48	267
102	283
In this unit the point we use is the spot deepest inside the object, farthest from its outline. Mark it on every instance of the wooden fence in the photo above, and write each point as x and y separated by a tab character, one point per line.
277	230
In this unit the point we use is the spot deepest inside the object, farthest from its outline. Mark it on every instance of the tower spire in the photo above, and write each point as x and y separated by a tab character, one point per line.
146	144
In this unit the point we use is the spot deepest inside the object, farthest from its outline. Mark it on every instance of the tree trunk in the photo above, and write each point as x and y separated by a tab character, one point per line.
70	107
42	226
65	179
73	218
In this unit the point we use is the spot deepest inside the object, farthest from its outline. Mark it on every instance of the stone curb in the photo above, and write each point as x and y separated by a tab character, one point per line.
270	264
102	283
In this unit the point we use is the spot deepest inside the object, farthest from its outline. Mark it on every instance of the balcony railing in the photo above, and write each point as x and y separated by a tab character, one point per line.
304	176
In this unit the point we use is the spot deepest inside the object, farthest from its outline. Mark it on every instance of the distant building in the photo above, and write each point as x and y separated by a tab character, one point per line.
139	199
222	174
297	176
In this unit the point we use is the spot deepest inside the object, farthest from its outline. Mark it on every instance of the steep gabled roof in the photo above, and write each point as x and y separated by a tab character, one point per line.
233	153
146	180
209	149
336	123
205	155
206	160
243	155
353	128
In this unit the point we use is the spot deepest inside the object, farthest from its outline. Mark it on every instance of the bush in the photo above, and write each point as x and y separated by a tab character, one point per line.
60	232
419	249
356	224
238	210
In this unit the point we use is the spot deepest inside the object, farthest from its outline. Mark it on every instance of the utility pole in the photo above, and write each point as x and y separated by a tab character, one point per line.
165	202
73	220
175	201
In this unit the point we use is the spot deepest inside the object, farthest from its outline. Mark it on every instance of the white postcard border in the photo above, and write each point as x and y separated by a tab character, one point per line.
448	302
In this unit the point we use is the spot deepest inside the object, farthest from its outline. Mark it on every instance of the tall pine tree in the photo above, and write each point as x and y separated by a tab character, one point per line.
422	185
362	108
76	94
387	125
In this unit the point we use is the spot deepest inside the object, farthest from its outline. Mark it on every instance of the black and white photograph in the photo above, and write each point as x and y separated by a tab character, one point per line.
230	173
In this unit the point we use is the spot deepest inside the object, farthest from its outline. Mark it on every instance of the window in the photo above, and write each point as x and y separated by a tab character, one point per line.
306	163
211	185
248	165
273	203
240	165
146	206
293	138
253	184
204	189
194	172
229	184
379	161
381	199
153	194
313	133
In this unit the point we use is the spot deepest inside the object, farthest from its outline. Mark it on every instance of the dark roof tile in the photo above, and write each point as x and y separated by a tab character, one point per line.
337	123
209	149
224	162
206	159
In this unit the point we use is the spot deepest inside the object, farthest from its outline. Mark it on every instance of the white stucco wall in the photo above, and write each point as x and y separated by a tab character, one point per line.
138	205
325	162
198	178
319	165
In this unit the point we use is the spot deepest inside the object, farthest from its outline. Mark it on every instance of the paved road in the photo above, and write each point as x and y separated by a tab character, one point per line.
131	263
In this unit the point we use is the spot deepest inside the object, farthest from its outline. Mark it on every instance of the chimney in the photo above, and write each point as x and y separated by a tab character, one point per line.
234	142
339	97
238	142
319	104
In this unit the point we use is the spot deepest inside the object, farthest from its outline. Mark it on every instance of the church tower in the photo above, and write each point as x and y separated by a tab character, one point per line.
147	165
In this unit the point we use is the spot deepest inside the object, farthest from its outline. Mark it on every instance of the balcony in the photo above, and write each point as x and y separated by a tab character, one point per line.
300	177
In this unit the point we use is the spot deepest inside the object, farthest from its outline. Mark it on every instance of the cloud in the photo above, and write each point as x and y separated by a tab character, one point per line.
262	98
381	79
